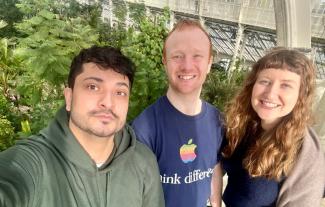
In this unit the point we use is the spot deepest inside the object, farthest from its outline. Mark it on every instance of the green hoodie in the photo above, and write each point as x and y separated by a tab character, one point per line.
53	170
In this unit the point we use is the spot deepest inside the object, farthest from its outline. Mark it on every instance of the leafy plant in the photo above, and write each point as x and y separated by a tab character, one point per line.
144	47
6	133
10	14
120	11
7	130
218	89
10	69
137	12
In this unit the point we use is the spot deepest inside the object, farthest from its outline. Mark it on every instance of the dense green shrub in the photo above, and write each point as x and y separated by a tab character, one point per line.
144	47
10	14
218	89
6	133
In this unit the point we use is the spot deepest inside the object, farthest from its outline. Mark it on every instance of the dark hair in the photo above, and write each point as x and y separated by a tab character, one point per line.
108	58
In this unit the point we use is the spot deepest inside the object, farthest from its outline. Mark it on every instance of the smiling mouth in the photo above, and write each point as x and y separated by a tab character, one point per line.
269	104
186	77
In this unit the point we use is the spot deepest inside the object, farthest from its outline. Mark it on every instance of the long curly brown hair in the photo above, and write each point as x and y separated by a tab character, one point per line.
272	153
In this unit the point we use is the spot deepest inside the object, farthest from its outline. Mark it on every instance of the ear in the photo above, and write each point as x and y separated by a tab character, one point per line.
210	64
163	60
68	98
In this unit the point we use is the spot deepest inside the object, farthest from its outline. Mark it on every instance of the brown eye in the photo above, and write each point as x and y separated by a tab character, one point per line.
121	93
92	87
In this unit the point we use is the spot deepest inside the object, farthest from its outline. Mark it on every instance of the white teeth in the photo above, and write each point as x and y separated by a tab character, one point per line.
186	77
269	104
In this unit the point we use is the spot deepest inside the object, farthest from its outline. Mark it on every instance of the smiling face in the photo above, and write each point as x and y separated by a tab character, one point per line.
187	60
274	95
98	102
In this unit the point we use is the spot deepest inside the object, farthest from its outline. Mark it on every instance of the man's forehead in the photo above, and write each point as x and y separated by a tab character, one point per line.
197	40
191	32
97	72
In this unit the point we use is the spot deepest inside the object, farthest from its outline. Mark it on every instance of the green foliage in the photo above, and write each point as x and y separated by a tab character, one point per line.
120	10
51	43
47	50
3	24
6	133
63	8
112	36
10	111
144	47
137	12
10	14
218	89
10	67
4	106
43	112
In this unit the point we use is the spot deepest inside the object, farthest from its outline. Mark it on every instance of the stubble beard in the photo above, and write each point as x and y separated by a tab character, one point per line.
86	127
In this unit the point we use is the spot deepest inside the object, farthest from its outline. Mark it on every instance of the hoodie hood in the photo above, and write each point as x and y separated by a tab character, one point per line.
59	134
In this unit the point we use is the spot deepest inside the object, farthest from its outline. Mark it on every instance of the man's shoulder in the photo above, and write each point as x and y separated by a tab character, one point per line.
151	110
143	156
142	150
147	119
211	107
213	113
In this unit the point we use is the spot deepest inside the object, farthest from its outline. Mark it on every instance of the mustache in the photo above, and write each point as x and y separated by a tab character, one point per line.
105	111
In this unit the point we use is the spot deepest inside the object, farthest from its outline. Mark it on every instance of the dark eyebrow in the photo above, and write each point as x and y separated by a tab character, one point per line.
94	78
123	84
101	80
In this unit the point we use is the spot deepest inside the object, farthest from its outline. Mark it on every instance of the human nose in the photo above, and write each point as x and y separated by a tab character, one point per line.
106	101
272	90
187	63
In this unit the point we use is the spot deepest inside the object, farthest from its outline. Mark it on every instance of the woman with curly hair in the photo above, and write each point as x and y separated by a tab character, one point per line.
271	155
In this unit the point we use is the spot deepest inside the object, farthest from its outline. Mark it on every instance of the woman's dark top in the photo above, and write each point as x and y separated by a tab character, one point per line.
243	190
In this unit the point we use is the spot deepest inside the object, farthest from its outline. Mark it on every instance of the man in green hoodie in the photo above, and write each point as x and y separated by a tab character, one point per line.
87	156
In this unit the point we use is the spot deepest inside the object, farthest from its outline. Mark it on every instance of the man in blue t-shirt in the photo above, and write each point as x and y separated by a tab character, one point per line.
184	131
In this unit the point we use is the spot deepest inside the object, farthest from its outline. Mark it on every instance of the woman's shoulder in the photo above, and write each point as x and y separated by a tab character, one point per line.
311	145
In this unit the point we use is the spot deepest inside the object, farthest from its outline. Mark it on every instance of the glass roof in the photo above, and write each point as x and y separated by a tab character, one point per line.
258	19
255	43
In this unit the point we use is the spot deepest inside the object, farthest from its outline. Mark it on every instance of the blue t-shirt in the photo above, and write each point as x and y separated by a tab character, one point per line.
187	149
242	190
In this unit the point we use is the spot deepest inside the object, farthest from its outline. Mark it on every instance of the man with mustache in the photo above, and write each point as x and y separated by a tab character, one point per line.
87	156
